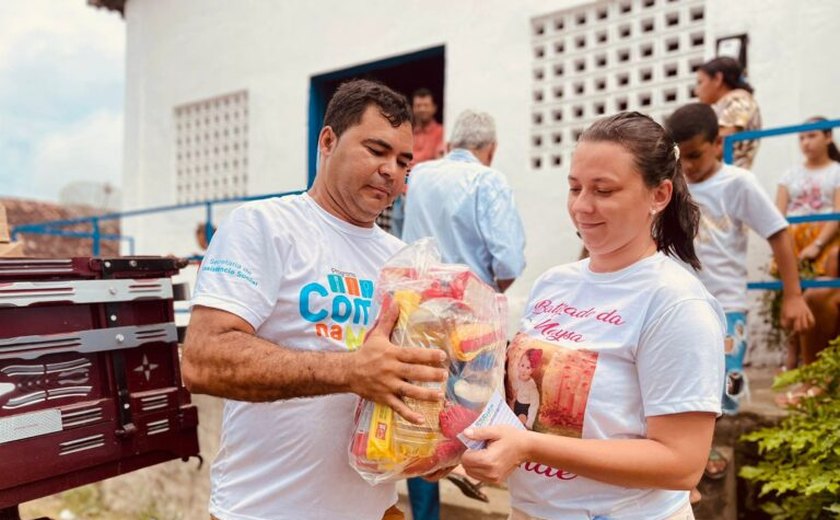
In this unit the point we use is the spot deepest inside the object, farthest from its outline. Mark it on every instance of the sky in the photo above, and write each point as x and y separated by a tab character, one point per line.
62	76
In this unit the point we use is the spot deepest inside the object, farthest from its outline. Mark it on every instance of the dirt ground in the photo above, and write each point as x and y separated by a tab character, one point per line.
173	490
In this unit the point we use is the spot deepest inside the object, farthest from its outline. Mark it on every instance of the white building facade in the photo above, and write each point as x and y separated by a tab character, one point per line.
222	98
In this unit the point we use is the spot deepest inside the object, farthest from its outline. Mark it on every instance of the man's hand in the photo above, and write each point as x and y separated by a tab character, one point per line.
385	373
811	252
796	315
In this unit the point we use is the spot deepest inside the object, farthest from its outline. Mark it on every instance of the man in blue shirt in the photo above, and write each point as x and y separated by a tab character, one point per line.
468	207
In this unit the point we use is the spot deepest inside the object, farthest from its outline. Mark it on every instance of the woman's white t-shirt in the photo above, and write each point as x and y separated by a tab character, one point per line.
305	280
617	347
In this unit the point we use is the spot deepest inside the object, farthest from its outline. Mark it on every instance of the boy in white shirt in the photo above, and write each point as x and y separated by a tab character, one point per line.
731	200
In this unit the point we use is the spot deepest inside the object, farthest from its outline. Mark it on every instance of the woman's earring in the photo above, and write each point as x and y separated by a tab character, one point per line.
652	212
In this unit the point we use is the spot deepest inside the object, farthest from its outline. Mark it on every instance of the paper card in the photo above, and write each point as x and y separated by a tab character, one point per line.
497	412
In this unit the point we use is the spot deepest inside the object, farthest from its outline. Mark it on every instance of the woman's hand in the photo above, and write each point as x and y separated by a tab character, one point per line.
506	450
811	252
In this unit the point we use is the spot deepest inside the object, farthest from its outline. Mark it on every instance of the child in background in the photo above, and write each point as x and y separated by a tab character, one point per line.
731	200
808	189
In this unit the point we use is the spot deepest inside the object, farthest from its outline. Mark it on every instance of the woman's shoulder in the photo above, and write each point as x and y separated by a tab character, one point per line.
739	96
675	280
677	289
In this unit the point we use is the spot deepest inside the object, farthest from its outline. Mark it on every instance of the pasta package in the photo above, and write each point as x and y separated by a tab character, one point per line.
441	306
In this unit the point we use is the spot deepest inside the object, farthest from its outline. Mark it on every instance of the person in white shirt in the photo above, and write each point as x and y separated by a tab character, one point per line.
813	187
731	201
631	370
281	326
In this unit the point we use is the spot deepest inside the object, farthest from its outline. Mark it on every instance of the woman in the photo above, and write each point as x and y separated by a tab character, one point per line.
632	346
721	83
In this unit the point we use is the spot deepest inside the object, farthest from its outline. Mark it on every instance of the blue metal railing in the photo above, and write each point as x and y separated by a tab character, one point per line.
54	227
730	140
729	156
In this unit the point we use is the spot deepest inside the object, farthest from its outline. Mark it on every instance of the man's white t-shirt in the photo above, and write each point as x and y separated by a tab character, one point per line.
731	201
303	279
810	191
617	348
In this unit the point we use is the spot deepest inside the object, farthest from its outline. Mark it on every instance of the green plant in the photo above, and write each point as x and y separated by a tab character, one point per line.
800	464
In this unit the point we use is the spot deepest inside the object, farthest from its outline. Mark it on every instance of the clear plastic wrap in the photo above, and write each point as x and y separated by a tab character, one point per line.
441	306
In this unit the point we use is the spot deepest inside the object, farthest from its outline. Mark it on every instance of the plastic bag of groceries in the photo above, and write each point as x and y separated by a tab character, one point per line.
441	306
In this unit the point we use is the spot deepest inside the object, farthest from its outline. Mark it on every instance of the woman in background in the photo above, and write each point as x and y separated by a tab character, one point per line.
721	83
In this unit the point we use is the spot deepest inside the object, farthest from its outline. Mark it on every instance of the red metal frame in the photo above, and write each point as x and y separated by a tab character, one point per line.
90	383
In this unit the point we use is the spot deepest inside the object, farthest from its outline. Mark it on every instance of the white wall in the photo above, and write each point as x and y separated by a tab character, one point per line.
194	49
790	67
188	50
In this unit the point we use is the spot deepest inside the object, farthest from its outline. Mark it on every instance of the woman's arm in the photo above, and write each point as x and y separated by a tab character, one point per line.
671	457
782	199
829	229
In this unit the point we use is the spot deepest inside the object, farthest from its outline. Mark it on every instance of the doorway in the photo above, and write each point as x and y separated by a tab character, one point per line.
405	74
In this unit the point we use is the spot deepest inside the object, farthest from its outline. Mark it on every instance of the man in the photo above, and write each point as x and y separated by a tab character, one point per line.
468	207
281	309
428	133
428	145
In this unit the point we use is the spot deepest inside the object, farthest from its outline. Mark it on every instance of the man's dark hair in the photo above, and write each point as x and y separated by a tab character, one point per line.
422	92
692	120
352	98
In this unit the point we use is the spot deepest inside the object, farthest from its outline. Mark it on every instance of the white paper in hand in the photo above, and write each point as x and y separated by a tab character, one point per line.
496	412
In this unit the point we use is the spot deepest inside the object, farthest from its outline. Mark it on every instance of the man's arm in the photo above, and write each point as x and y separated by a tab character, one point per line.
223	357
501	229
795	312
